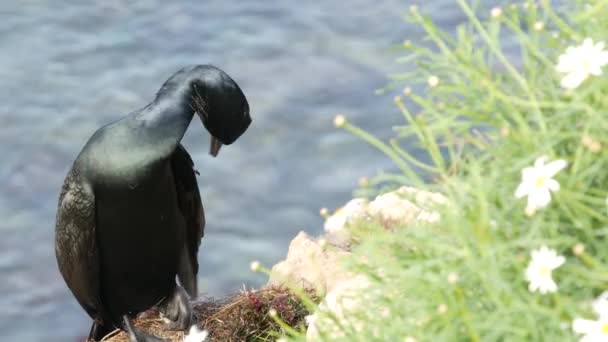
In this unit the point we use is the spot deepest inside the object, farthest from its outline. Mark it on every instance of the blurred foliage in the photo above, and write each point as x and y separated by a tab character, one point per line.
491	105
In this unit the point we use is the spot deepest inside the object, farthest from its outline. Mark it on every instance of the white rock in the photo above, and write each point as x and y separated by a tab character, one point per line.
312	265
406	205
309	266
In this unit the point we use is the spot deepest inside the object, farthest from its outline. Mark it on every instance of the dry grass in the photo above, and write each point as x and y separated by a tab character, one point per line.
241	317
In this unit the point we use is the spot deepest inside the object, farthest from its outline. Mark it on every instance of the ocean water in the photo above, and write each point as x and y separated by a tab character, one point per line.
67	68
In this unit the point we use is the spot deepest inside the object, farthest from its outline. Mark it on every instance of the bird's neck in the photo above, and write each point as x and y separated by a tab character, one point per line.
167	118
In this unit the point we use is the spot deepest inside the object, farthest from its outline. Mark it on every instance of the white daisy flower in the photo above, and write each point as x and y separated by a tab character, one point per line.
594	330
196	335
600	305
538	272
537	183
579	62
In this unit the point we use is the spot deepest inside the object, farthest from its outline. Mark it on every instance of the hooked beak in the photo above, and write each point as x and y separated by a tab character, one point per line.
215	146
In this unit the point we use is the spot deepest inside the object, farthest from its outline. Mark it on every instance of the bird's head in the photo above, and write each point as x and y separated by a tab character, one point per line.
220	104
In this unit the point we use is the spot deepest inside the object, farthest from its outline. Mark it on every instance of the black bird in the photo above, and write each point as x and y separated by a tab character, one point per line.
130	217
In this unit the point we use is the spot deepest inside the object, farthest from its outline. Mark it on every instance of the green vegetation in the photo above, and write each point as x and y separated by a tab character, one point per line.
484	115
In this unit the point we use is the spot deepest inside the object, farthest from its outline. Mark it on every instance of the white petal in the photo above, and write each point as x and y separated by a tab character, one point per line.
196	335
595	69
583	326
552	185
594	337
540	161
547	286
535	254
600	46
539	255
563	64
549	255
539	198
531	271
557	262
573	79
522	190
602	58
542	253
554	167
530	174
600	305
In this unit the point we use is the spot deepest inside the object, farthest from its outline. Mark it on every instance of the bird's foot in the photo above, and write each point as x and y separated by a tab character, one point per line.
176	310
138	336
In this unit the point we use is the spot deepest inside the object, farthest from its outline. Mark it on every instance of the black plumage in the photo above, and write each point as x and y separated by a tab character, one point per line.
130	216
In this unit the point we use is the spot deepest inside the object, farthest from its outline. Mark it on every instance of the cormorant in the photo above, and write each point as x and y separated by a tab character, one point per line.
130	218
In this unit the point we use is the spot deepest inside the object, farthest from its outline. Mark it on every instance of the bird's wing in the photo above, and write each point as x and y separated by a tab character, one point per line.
76	244
191	207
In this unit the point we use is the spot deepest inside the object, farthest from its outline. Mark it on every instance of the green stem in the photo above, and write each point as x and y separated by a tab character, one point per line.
558	21
410	119
501	57
377	143
530	47
289	330
466	317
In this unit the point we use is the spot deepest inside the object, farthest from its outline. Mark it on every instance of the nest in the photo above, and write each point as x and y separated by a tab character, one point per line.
240	317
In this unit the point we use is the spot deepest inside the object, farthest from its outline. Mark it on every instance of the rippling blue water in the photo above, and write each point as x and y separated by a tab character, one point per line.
67	68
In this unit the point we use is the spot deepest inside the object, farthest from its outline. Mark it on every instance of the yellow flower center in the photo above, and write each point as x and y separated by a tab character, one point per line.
605	328
545	271
539	181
